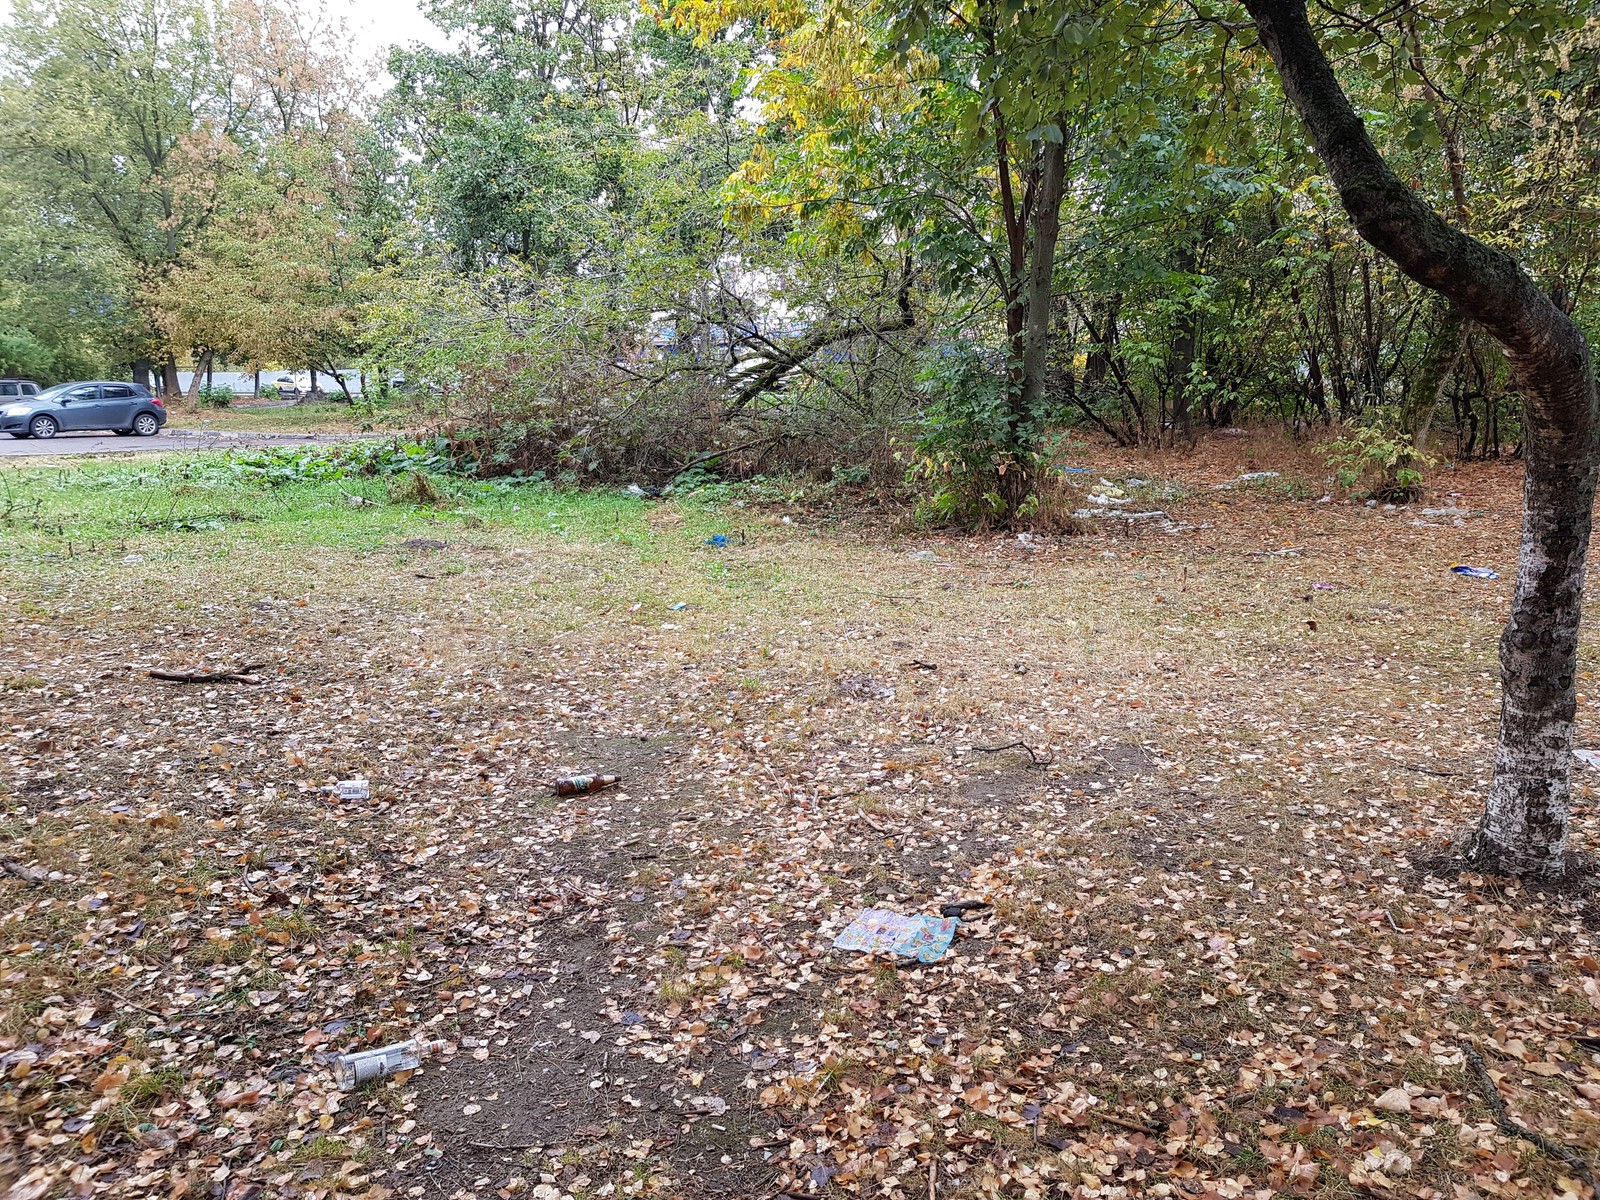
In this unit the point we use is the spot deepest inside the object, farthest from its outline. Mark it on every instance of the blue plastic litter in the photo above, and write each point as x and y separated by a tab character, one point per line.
1474	572
719	540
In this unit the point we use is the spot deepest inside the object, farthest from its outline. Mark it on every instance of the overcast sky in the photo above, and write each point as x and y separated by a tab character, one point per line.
379	24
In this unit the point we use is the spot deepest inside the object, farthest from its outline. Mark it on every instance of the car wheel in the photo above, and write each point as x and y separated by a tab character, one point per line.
146	425
42	427
20	436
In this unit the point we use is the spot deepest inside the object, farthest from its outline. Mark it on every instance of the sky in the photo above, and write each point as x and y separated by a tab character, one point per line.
379	24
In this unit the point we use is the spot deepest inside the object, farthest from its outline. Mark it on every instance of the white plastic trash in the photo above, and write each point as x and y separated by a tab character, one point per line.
353	789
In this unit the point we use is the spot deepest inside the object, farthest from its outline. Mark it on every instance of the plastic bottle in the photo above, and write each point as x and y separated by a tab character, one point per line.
582	785
352	1070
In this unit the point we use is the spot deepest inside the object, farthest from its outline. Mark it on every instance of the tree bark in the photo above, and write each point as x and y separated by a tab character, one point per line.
1524	826
1041	275
1181	363
1032	338
202	364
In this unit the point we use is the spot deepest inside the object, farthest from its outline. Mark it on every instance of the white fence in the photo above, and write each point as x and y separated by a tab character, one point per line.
243	383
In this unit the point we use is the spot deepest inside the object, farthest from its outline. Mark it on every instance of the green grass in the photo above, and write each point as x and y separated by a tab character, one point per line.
196	506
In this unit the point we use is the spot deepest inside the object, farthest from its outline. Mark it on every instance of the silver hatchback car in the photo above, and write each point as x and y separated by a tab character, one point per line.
123	408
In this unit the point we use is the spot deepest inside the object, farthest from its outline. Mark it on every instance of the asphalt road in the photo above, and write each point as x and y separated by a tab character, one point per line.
167	441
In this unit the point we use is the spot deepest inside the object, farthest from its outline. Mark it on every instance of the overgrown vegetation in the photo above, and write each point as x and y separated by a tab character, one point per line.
1049	217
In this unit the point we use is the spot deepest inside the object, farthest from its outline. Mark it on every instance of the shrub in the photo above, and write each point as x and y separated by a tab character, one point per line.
1379	458
214	397
974	456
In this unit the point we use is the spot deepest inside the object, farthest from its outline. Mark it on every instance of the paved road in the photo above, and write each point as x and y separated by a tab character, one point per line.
167	441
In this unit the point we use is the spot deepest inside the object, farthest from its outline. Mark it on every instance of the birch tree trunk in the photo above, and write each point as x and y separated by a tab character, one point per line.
1524	826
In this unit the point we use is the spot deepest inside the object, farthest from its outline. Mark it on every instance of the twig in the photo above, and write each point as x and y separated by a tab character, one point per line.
933	1177
1392	925
1497	1106
507	1146
1428	771
244	674
1037	761
1137	1127
133	1003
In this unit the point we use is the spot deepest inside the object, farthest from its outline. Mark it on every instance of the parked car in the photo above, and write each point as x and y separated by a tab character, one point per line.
124	408
15	389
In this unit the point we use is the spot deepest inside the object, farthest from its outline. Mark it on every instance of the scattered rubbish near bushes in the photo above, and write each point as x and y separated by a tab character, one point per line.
1474	572
1247	477
583	785
1030	541
1324	587
962	907
352	789
719	540
879	931
1286	552
1589	758
1073	470
645	493
352	1070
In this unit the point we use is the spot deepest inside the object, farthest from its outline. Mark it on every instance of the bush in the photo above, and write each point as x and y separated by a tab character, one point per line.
214	397
1378	457
971	440
268	391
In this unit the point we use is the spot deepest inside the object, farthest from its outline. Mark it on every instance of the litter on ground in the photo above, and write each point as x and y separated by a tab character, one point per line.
879	931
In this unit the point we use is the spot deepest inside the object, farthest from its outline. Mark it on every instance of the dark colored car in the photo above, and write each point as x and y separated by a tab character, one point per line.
124	408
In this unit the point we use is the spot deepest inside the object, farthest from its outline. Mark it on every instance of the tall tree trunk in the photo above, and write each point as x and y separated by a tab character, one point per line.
1524	827
141	372
1040	290
202	364
1182	360
169	377
1433	379
338	377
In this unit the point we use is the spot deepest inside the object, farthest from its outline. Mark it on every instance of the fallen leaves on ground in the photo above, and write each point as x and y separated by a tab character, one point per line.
1219	961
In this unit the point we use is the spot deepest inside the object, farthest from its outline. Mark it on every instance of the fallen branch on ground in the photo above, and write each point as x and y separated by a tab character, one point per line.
1037	761
244	674
1497	1107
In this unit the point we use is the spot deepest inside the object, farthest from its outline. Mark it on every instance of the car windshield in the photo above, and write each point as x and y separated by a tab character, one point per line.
60	389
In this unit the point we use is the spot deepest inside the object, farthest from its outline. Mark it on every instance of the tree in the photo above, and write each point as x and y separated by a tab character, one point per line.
1524	826
124	122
